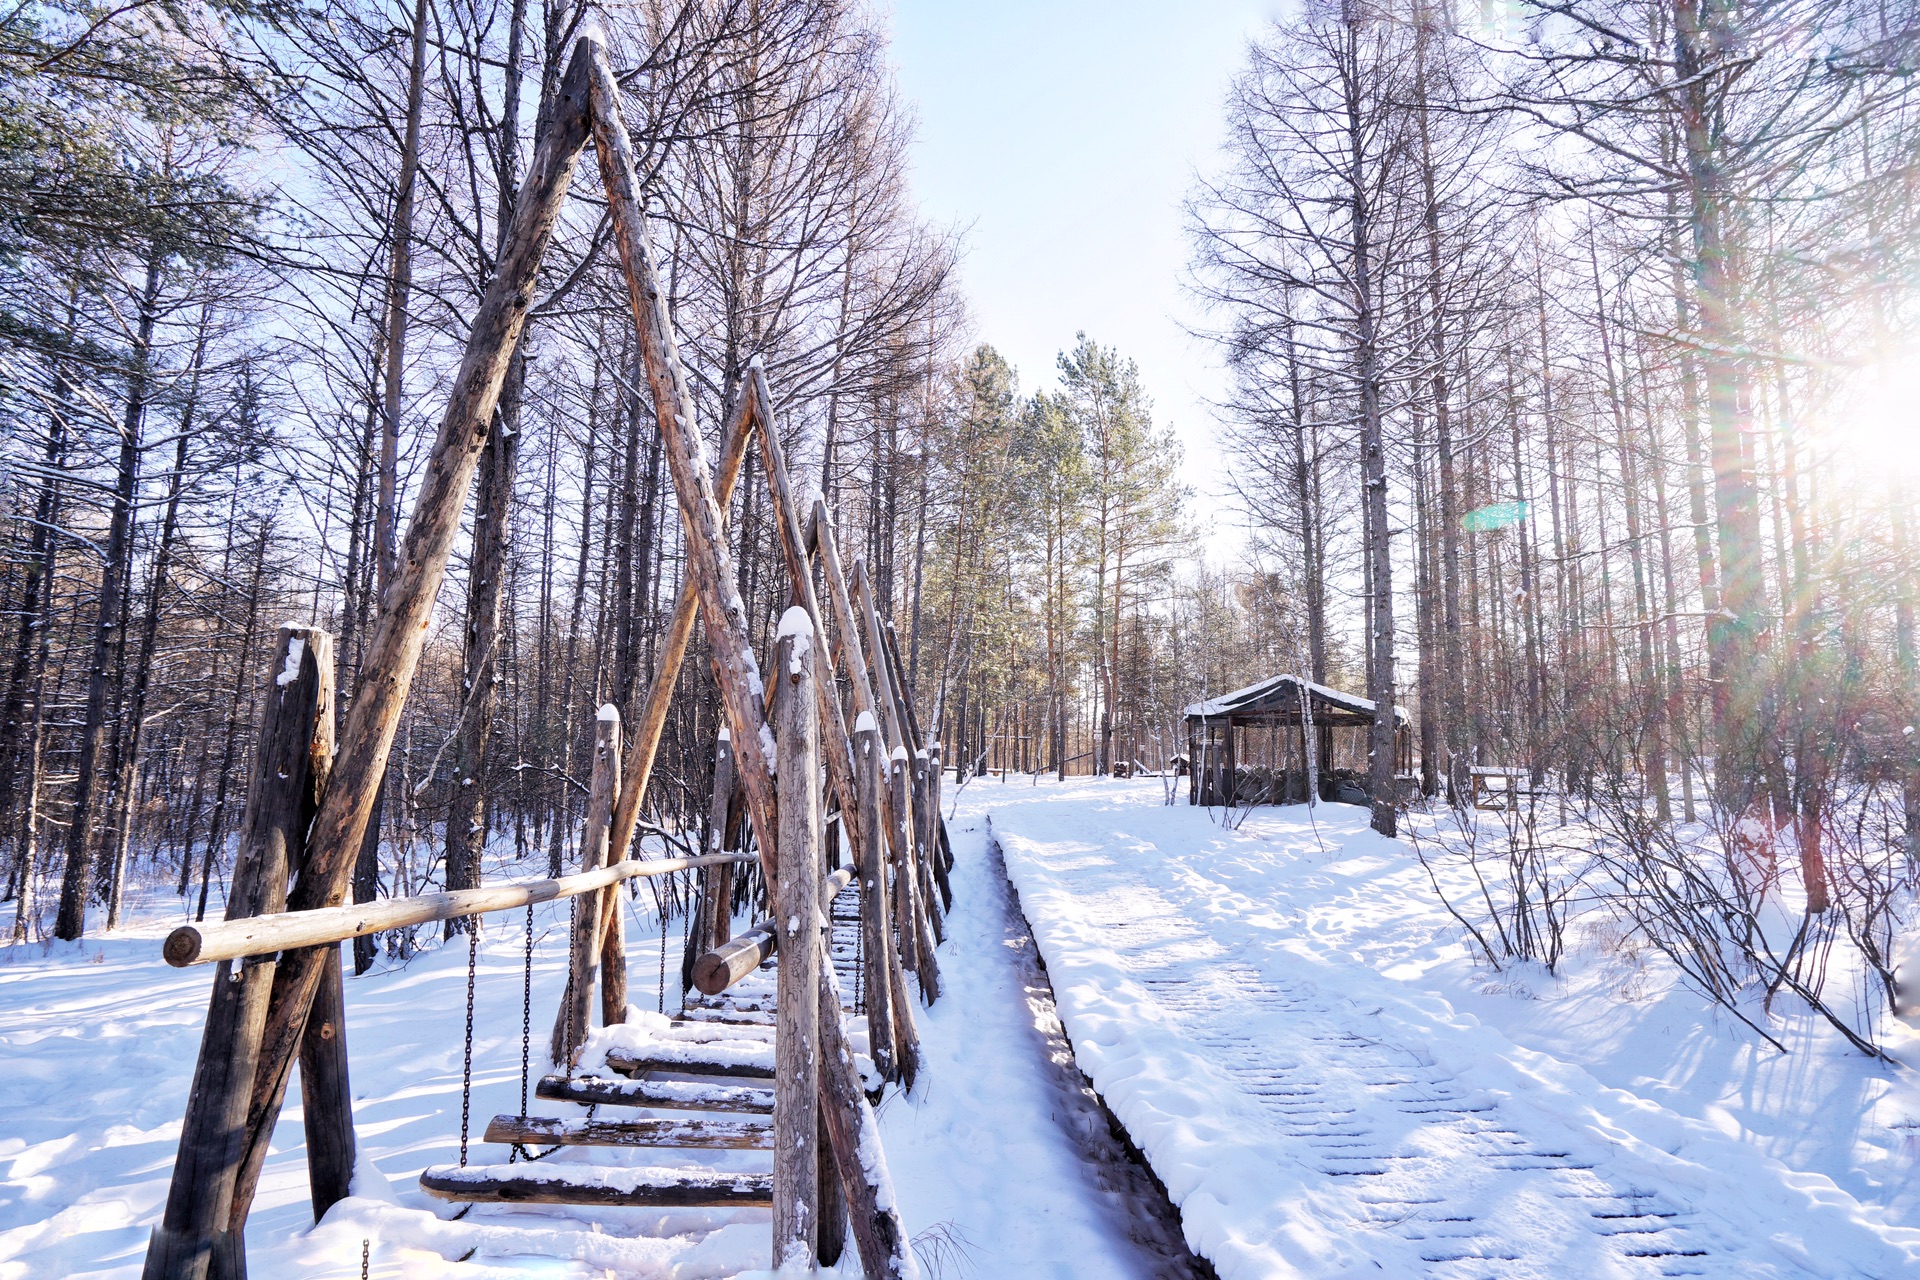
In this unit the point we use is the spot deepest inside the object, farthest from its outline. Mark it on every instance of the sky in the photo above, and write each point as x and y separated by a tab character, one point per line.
1061	136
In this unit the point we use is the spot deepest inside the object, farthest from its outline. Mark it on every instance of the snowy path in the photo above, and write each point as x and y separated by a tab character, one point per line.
1312	1119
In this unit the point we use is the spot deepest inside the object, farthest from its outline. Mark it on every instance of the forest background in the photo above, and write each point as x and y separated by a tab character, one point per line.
1569	354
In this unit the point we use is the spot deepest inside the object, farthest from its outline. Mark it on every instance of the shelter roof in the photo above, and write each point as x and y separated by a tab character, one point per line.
1278	698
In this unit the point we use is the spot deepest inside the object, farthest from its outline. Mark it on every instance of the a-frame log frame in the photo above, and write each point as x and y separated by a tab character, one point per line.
851	1125
585	102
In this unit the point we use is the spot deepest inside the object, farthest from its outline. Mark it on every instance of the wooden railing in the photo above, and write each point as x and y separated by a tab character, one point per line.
192	944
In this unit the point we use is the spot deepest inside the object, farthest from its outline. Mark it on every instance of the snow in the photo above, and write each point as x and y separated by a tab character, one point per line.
1273	1012
796	624
865	723
1288	1025
296	649
607	711
1338	697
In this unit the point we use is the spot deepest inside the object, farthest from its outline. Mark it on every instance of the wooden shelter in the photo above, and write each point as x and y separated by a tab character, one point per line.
1282	739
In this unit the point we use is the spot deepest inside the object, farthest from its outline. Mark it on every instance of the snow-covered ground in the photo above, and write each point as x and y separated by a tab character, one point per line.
97	1044
1290	1026
1283	1016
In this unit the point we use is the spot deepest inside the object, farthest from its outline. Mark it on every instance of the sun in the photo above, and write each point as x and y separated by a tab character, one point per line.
1873	425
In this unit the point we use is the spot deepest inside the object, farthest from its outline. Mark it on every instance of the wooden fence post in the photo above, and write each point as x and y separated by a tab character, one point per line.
196	1236
326	1095
918	937
715	924
875	919
796	1171
854	1133
570	1028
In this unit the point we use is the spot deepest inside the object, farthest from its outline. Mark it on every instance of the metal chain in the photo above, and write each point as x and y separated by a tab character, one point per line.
466	1073
860	953
526	1031
665	908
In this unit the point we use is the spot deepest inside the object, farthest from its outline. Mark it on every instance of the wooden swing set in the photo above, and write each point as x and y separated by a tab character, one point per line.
277	990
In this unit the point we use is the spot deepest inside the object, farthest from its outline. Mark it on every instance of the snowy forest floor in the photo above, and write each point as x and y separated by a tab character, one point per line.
98	1042
1292	1029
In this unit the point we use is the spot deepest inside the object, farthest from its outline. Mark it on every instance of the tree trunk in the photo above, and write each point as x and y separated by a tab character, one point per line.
109	629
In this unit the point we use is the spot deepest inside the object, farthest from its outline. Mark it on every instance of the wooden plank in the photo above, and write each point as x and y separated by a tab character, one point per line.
707	1134
709	560
583	957
400	630
537	1182
853	1132
266	935
677	1095
693	1060
290	769
796	1130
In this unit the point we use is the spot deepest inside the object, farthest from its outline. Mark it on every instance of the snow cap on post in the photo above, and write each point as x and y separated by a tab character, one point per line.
796	624
607	712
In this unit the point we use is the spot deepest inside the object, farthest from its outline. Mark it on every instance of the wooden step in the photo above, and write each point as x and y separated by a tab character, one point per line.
538	1182
744	1059
696	1015
678	1095
548	1131
709	1030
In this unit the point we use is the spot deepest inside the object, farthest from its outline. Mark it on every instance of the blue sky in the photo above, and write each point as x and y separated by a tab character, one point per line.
1062	135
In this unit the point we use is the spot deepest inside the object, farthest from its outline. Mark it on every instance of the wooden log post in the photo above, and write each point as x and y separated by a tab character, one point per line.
836	744
570	1027
709	560
832	1195
796	1171
400	630
923	846
673	649
901	818
875	919
726	964
326	1093
196	1236
853	1131
715	925
917	934
938	846
893	682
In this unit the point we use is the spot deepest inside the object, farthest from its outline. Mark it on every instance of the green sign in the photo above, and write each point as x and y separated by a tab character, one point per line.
1498	515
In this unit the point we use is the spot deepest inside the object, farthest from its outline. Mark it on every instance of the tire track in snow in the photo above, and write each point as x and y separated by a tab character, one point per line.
1437	1173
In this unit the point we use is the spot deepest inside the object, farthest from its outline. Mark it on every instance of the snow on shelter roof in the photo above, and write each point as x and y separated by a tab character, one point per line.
1281	694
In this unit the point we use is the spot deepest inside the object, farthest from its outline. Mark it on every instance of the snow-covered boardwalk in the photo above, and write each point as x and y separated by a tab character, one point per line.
1312	1116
